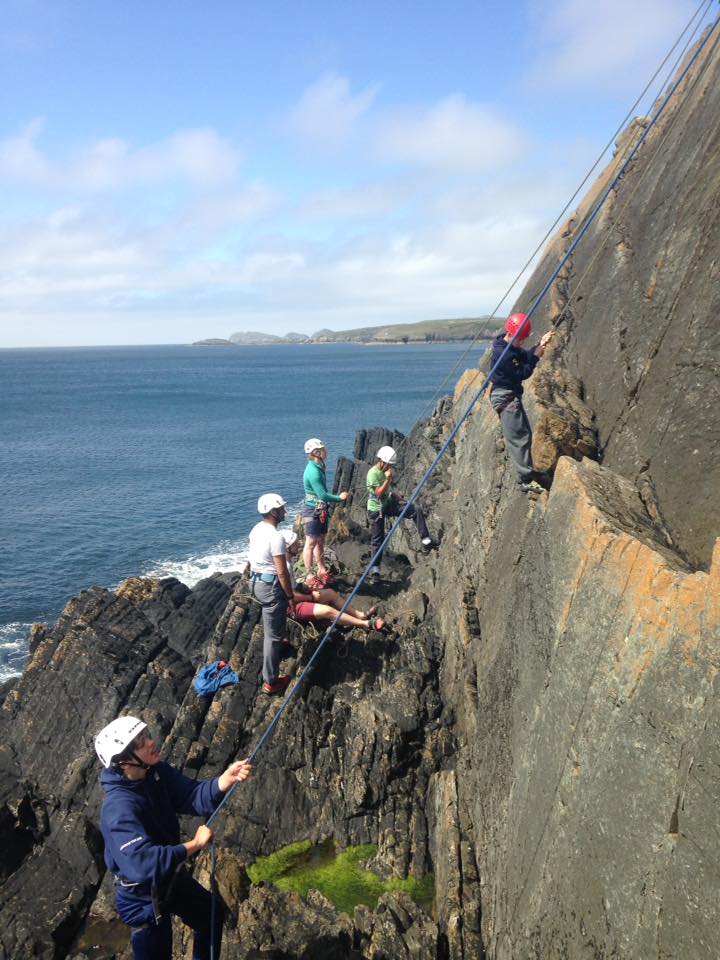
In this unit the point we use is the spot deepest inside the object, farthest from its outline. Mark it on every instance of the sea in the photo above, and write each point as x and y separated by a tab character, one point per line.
124	461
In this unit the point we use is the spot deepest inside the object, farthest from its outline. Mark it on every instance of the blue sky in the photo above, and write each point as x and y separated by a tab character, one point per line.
172	171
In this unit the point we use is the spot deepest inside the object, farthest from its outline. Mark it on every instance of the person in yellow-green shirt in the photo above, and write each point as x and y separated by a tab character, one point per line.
382	503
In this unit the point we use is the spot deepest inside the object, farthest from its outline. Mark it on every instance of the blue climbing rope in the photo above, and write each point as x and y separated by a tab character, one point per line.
441	453
431	469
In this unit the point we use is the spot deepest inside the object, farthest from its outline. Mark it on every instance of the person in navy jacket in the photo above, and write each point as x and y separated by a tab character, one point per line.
514	366
143	850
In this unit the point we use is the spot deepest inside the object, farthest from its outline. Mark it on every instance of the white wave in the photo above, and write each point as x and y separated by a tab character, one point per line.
14	639
227	557
224	558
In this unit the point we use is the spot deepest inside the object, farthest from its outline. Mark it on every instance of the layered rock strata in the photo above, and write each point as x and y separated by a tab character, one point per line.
538	728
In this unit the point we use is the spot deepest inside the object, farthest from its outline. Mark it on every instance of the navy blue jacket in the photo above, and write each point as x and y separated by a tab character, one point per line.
142	834
517	365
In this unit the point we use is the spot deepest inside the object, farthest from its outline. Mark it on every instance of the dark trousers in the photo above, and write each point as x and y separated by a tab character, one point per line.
192	903
376	522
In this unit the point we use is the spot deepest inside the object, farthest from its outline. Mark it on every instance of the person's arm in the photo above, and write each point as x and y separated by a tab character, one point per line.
544	340
237	772
200	797
316	481
283	575
139	859
203	836
384	486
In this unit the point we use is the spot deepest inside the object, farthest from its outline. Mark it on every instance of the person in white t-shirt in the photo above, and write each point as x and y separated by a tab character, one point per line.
271	586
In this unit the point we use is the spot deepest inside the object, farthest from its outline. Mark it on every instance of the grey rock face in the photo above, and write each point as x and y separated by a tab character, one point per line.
640	307
538	726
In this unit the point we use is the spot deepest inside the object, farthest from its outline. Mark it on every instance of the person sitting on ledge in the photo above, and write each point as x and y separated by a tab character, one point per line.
506	392
309	604
382	502
139	823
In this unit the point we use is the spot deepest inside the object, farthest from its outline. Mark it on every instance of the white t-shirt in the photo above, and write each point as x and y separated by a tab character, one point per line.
266	542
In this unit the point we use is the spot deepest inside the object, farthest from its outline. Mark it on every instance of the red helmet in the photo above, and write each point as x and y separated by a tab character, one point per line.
518	322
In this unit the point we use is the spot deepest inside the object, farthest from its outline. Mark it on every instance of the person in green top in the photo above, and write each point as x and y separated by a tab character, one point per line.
382	502
315	513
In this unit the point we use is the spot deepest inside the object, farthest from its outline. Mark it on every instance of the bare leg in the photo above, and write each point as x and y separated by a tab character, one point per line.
333	599
308	549
322	612
319	551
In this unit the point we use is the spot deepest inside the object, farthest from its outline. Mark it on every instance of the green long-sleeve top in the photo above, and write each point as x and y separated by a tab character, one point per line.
316	486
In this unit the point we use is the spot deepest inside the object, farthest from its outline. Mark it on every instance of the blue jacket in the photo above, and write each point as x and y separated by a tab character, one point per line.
517	365
142	834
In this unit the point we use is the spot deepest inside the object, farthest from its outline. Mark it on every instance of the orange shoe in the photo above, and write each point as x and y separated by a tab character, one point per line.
280	686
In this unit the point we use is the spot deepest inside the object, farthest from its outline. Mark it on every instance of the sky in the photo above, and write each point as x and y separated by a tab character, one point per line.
171	171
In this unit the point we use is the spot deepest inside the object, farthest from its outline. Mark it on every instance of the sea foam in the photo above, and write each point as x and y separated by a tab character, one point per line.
14	639
224	558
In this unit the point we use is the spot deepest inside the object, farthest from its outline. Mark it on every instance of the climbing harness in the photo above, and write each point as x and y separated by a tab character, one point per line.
451	437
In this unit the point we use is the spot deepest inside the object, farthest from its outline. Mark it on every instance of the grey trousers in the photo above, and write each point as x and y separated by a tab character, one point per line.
516	430
274	619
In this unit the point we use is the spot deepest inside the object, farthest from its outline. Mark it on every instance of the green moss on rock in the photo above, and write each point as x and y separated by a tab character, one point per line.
339	877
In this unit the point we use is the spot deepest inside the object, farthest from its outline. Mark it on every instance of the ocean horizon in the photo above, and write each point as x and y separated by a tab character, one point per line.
126	461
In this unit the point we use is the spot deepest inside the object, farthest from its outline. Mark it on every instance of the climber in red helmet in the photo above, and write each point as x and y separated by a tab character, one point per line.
506	394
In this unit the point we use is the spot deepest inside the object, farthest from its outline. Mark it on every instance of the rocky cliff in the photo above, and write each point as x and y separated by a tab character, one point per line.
539	726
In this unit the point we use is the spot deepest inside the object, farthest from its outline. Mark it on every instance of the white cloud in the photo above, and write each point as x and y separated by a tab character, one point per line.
20	158
453	134
327	113
217	210
199	157
360	202
614	43
440	239
67	255
435	247
70	267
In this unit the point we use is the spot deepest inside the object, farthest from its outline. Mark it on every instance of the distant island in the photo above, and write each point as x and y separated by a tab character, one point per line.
426	331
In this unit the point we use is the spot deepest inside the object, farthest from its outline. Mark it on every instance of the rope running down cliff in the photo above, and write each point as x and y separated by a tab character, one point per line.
530	862
578	285
431	469
699	15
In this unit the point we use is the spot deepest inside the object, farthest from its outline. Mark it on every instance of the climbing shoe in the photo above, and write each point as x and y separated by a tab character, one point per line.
531	486
279	687
374	576
544	479
428	545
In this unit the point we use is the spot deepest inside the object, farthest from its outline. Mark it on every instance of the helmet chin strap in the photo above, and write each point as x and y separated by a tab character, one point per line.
138	763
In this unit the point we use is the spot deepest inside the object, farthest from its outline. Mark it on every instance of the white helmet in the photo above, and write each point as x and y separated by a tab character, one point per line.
386	454
290	537
312	445
270	501
116	737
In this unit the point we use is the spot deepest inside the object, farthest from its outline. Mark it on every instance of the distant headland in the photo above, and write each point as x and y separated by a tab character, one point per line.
426	331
